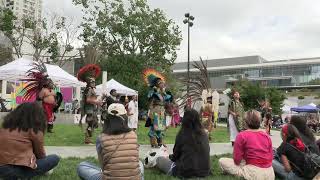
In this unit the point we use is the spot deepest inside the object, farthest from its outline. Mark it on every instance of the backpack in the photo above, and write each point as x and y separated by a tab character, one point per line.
311	163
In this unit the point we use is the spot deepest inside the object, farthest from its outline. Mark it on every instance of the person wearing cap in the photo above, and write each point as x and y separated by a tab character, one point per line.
117	149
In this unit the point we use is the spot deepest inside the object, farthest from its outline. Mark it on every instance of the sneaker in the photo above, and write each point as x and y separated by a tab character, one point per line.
48	173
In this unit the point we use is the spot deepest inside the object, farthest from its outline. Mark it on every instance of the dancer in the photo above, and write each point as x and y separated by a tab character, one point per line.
235	118
207	111
42	87
201	91
90	102
176	119
158	97
268	123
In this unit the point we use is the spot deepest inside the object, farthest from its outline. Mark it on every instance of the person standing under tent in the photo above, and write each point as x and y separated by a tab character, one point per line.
133	113
235	117
42	87
90	101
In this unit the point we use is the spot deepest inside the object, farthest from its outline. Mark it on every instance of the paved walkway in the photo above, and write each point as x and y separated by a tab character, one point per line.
87	151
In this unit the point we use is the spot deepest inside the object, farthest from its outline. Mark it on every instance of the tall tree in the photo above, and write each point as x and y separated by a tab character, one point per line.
252	93
49	38
14	29
131	36
130	28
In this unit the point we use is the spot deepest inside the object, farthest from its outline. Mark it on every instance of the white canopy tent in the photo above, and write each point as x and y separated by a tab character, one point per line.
16	70
113	84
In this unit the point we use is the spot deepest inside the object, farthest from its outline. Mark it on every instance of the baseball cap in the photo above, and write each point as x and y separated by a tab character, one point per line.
117	109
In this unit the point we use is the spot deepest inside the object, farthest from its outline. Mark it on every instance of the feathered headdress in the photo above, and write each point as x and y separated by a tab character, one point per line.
37	78
199	86
151	77
88	71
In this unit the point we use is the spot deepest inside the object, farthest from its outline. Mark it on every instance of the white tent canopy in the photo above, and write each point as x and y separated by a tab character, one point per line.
16	70
113	84
312	104
286	109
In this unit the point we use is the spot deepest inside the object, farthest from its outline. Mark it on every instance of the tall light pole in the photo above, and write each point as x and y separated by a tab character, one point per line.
189	21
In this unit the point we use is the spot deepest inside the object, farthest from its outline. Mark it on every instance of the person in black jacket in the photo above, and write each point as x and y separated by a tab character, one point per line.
191	152
305	132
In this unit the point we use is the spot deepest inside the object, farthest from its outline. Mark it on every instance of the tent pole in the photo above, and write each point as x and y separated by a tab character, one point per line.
104	81
4	89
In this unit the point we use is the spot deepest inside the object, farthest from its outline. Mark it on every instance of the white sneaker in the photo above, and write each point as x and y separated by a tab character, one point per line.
49	172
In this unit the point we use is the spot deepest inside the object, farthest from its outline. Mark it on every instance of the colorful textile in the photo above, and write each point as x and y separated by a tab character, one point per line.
48	108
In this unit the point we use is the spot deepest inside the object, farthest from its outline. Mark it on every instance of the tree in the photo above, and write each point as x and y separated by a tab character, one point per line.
13	29
5	54
121	28
131	36
51	38
252	93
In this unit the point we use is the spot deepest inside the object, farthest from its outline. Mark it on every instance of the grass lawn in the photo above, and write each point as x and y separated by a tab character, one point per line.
67	170
71	135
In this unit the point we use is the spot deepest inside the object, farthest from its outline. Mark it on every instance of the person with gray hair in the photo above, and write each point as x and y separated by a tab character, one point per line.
252	153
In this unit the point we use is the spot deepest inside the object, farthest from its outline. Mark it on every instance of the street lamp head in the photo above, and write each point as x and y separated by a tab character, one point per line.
192	18
185	21
190	24
186	15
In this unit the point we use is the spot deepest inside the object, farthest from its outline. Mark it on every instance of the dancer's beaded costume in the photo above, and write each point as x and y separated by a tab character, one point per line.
158	98
89	103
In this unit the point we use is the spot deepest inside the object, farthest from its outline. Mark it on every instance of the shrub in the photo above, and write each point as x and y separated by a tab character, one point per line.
300	97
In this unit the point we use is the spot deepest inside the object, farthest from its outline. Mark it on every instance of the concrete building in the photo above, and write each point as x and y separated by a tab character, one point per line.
290	73
24	8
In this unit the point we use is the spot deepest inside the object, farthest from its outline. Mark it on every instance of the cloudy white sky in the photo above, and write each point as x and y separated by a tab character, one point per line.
273	29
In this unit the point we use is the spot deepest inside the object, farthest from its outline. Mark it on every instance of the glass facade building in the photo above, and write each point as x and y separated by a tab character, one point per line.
283	73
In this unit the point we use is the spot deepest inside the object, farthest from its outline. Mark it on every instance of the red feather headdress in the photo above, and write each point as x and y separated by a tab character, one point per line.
90	70
37	78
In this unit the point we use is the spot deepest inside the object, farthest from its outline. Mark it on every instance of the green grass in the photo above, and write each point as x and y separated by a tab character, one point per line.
72	135
67	170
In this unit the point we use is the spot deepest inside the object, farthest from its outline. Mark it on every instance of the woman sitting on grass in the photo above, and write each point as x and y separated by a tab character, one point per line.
252	153
305	133
22	153
117	149
191	152
292	161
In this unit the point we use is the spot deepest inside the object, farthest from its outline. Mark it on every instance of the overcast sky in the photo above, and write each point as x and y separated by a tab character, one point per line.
273	29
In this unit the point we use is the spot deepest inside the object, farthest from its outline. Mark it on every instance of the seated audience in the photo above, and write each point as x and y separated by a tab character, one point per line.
117	149
22	154
252	153
292	161
305	133
191	152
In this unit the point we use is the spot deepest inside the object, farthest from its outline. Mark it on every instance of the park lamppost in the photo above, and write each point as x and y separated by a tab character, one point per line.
189	21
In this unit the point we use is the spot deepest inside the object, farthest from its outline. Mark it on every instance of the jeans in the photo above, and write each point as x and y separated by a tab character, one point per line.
281	172
165	165
13	172
89	171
